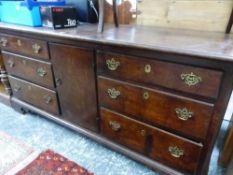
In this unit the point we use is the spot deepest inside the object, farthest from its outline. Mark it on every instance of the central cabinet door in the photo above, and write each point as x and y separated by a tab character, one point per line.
75	81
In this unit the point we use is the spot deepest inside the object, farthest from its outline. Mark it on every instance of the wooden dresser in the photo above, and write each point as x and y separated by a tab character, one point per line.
155	95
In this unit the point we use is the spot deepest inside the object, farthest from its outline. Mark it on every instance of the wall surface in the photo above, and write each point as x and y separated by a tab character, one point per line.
208	15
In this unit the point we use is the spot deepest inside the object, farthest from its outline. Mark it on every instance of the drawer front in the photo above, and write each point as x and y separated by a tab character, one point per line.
175	151
36	71
25	46
194	80
36	95
160	144
123	131
155	107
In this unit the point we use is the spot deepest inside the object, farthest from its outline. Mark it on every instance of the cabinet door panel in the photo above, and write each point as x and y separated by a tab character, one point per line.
75	81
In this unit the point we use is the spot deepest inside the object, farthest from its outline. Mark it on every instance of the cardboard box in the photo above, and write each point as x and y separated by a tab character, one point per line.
58	17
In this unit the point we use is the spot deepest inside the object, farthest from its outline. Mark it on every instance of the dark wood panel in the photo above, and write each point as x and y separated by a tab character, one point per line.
194	80
123	131
36	95
75	80
135	135
184	115
39	72
25	46
176	152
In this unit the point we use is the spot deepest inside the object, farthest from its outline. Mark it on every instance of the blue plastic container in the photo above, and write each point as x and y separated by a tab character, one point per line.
25	12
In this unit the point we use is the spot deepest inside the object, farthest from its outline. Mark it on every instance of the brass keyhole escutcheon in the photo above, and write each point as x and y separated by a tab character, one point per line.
19	42
146	95
147	68
24	62
143	132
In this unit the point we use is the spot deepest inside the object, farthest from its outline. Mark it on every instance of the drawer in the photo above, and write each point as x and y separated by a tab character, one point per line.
173	151
36	95
124	131
187	116
25	46
39	72
194	80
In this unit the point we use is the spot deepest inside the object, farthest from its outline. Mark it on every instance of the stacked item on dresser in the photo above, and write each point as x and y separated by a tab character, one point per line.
25	12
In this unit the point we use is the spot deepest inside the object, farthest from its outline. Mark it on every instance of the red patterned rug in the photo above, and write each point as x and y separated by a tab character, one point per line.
51	163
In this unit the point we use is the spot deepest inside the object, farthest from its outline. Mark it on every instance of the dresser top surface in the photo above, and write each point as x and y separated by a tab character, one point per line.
196	43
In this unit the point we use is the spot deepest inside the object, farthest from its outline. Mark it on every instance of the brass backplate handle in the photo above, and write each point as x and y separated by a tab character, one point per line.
36	48
11	63
115	126
17	88
183	113
112	64
113	93
175	151
41	72
47	99
3	42
147	68
191	79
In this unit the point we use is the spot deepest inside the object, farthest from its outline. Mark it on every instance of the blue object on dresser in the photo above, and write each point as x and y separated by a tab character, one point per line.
25	12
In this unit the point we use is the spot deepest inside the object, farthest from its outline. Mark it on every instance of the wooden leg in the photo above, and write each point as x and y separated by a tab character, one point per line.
18	108
114	9
101	16
227	152
230	23
229	170
5	81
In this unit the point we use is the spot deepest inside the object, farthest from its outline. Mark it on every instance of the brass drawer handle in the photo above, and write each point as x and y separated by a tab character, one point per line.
47	99
112	64
115	126
36	48
147	68
3	42
184	114
191	79
19	43
146	95
113	93
11	63
17	88
175	151
41	72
